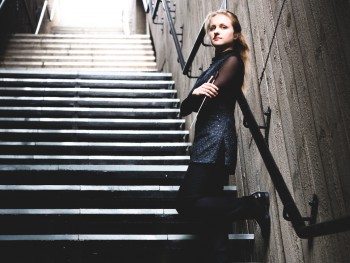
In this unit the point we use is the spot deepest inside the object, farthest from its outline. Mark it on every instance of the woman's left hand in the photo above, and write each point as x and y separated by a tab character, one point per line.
207	89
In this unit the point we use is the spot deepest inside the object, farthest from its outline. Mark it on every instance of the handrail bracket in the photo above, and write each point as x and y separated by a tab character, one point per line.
314	211
266	127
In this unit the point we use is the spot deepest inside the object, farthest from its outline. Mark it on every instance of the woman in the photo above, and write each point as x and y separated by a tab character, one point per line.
214	151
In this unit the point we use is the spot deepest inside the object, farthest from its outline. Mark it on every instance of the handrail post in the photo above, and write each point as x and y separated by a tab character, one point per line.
43	10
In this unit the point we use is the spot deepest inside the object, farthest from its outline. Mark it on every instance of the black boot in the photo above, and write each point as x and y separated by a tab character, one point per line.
262	214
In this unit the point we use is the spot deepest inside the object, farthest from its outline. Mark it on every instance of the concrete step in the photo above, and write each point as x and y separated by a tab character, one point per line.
107	248
91	83
78	58
77	52
151	113
10	75
90	123
87	92
79	46
127	66
81	41
79	36
65	174
121	200
58	135
93	159
120	148
89	101
116	30
95	221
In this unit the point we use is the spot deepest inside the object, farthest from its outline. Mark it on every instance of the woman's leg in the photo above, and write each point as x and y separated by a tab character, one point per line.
201	195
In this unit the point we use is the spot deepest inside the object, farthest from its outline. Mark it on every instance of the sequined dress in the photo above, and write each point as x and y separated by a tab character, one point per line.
215	139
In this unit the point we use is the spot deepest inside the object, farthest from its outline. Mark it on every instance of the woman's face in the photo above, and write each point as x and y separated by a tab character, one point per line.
221	32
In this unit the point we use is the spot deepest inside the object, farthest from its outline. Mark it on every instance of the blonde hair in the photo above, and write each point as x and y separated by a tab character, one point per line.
240	45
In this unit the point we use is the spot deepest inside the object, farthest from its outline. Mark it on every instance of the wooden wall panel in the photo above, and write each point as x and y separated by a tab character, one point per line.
306	84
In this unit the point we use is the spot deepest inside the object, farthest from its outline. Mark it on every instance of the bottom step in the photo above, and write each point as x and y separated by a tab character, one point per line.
85	237
114	248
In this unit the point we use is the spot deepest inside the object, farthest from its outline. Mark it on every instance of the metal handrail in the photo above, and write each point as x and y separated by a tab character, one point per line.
173	33
43	10
290	208
291	211
199	41
2	3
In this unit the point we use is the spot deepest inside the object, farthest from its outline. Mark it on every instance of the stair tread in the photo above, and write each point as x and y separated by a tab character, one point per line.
89	211
125	46
80	52
86	36
81	120
90	167
124	64
96	157
84	131
91	57
84	74
88	82
90	99
111	237
97	188
69	90
85	41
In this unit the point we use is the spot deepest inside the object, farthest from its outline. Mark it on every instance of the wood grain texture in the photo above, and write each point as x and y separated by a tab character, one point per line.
306	84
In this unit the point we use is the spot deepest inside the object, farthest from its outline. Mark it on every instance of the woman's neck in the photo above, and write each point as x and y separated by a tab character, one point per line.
218	51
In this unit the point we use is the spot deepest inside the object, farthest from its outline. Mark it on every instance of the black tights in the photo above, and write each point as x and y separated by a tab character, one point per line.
201	197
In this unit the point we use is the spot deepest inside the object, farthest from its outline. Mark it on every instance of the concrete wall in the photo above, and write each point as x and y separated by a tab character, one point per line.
306	84
21	16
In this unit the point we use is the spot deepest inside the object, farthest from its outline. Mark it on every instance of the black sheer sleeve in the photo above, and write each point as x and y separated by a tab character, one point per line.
190	104
230	75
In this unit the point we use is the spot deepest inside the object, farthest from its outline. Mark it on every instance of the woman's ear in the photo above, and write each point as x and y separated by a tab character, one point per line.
235	36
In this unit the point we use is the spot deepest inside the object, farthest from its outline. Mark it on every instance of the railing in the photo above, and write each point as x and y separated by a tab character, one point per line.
42	14
43	10
291	211
2	4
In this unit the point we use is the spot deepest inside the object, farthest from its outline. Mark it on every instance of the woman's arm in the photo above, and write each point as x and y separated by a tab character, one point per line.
224	79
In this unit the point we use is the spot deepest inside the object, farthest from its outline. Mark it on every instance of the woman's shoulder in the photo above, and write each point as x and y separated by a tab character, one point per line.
233	60
234	56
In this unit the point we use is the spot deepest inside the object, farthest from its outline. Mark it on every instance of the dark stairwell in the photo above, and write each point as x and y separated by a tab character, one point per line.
92	152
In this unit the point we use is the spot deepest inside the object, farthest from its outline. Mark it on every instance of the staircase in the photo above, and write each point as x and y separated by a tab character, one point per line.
92	152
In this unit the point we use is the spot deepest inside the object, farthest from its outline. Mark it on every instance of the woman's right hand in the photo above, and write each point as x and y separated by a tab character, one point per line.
207	89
